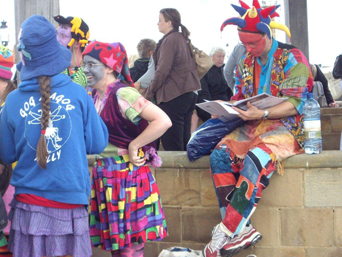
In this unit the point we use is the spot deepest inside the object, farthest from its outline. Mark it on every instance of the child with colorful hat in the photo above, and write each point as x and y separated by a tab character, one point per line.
47	126
73	33
243	162
6	64
7	191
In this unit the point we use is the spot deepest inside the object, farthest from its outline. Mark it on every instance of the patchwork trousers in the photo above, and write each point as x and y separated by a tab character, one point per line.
239	183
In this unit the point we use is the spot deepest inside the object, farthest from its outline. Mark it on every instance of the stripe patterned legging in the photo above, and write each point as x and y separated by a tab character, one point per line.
238	182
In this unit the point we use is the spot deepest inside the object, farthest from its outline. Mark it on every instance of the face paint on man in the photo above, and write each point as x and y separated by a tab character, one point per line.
94	70
255	43
64	34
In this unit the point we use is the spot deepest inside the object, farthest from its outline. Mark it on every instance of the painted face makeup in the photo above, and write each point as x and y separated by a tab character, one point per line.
94	70
64	34
255	43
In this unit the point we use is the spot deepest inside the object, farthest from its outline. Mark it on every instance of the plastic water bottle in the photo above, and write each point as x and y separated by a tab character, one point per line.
312	126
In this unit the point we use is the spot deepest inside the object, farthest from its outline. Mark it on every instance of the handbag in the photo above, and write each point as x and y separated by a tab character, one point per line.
337	70
3	214
334	86
5	176
203	61
204	139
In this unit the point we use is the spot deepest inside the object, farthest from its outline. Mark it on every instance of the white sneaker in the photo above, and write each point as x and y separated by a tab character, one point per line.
218	240
246	238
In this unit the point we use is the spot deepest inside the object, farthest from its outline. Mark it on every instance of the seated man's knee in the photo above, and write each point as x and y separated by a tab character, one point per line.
220	160
255	161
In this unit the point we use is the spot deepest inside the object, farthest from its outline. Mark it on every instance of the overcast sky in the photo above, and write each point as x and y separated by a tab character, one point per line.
132	20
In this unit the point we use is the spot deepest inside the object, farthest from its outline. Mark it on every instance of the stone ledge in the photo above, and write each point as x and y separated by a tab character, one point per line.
327	159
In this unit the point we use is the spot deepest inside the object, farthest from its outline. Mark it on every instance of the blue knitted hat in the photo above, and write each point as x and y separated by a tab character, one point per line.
42	54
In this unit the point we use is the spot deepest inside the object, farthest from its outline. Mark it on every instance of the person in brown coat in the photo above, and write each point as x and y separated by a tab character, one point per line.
175	81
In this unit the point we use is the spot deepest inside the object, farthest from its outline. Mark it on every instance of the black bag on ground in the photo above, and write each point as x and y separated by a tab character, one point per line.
3	215
5	176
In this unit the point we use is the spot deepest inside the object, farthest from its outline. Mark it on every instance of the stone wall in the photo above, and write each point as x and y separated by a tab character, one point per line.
300	213
331	119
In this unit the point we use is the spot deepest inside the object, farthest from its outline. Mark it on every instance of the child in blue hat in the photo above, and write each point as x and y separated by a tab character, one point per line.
48	126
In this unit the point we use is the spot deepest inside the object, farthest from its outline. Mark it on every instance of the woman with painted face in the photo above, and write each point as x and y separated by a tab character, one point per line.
243	162
175	80
73	33
214	85
126	209
47	126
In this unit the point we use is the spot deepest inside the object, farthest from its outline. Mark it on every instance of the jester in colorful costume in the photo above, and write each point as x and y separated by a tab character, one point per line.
126	209
243	162
73	33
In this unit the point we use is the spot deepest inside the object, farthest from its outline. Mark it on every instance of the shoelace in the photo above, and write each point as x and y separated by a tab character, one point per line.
219	239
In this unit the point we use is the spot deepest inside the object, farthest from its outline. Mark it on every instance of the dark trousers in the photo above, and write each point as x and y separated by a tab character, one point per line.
180	111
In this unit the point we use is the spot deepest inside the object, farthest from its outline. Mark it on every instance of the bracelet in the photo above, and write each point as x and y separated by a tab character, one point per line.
265	115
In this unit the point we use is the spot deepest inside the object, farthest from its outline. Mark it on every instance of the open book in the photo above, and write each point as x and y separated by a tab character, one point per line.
225	111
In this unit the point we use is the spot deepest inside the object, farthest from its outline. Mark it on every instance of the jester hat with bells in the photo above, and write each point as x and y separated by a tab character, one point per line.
79	29
255	19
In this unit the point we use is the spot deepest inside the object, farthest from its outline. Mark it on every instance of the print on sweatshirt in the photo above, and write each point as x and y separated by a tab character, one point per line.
55	136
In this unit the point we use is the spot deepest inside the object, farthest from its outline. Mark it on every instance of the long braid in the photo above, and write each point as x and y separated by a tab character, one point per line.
45	90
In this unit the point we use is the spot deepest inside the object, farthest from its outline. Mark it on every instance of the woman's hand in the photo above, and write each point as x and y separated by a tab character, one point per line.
134	157
137	85
334	104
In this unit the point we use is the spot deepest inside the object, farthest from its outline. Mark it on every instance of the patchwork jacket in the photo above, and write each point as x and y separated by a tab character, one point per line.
286	74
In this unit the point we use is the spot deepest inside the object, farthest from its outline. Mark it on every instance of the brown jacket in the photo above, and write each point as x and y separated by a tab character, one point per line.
176	72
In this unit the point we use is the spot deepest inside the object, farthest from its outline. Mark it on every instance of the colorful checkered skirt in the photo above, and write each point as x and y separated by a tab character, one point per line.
125	205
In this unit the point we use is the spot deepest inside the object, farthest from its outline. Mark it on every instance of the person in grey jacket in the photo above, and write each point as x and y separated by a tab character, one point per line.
233	60
175	79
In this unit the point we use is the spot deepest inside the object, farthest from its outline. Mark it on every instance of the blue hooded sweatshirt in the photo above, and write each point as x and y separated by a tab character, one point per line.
75	130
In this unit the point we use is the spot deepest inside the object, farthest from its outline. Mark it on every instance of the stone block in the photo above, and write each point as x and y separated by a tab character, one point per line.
336	124
208	195
198	223
179	187
323	188
307	227
284	191
152	249
326	252
173	222
280	252
326	125
331	141
100	253
245	252
327	111
338	227
267	222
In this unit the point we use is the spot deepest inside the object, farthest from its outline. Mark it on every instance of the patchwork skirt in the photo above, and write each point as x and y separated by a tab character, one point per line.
43	231
125	205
